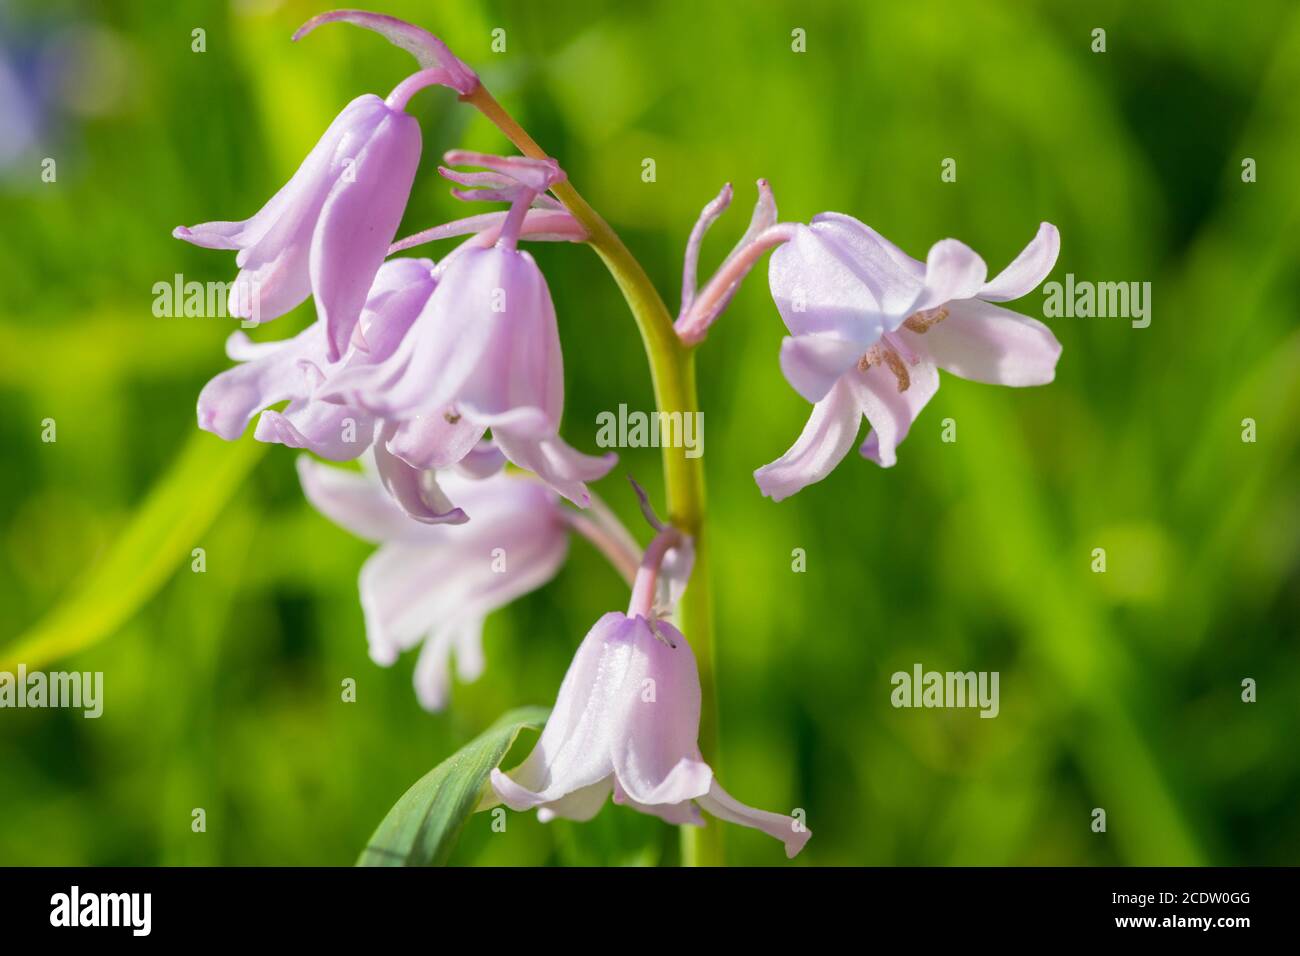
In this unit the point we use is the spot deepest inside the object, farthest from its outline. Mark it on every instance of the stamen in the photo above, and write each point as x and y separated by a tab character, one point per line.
872	356
899	368
922	322
879	354
899	345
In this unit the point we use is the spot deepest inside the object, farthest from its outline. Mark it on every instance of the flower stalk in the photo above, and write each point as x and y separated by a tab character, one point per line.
672	373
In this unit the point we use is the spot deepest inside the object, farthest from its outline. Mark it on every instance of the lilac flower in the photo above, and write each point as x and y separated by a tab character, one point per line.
483	354
432	585
626	723
871	327
293	369
326	232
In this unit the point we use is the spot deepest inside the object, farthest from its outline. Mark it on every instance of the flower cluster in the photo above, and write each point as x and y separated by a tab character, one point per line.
441	373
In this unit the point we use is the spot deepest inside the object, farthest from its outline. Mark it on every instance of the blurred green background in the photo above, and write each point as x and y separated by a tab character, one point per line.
1118	690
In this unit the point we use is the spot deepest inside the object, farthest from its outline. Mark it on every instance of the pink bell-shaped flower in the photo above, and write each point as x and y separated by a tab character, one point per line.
327	231
871	327
484	354
627	721
433	585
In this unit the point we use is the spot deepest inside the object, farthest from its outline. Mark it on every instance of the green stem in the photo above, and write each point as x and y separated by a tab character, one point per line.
672	372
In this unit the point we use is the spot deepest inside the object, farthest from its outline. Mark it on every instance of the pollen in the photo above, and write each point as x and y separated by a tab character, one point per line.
922	322
880	354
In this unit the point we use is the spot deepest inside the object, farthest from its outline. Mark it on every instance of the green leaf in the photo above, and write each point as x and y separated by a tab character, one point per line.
160	536
425	823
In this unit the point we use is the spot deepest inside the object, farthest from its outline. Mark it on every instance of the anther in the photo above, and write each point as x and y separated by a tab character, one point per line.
899	368
922	322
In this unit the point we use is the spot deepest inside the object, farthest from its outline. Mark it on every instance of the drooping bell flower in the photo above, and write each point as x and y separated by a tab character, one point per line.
293	369
433	585
870	328
484	354
326	232
626	723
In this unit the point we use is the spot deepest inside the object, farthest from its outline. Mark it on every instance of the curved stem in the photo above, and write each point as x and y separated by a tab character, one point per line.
402	93
647	575
672	373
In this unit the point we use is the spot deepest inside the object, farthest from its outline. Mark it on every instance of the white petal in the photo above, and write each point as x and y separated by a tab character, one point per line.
788	830
986	343
821	446
890	411
1028	269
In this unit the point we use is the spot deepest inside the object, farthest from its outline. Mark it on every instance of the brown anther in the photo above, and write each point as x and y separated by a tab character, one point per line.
872	356
922	322
899	368
450	417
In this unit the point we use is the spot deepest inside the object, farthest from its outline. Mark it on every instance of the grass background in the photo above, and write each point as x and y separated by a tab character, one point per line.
1118	690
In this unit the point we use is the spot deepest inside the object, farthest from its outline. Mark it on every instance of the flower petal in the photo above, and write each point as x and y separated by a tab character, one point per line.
438	579
355	502
335	432
432	675
555	462
678	814
574	750
812	364
230	400
656	757
986	343
724	806
415	491
358	222
297	199
581	805
890	411
435	440
1026	270
953	270
821	446
399	294
484	460
819	286
445	348
518	381
274	257
894	278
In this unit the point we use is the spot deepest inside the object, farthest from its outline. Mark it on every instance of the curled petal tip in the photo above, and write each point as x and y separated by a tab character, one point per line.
428	50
